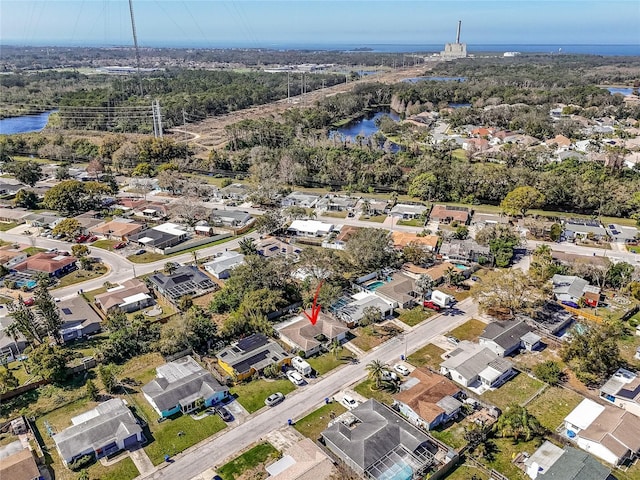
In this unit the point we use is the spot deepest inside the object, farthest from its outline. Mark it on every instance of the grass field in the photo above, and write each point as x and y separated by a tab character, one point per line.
374	218
327	362
7	226
428	356
125	469
78	276
364	389
470	330
466	471
105	244
251	394
506	451
33	250
313	424
414	222
334	214
517	390
415	316
553	405
249	460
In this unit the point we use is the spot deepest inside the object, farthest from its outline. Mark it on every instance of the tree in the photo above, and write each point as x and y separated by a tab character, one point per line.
270	222
143	169
424	283
26	199
248	246
370	315
92	390
170	180
95	168
542	266
25	323
128	337
549	372
335	348
170	267
108	377
370	249
522	199
423	186
593	352
414	252
80	250
28	172
49	361
375	371
517	423
461	233
502	241
48	310
8	381
62	173
72	197
190	210
509	291
619	275
185	303
70	227
555	232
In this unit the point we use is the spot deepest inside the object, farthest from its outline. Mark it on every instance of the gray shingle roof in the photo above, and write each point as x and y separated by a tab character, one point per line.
576	465
469	359
506	334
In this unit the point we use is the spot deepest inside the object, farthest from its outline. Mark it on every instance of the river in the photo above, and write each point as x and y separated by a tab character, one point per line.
25	123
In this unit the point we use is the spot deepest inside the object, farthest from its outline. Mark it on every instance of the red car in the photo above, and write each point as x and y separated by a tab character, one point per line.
432	306
120	245
30	302
92	239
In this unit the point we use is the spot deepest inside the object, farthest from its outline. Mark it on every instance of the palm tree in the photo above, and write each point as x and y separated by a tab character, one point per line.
335	348
248	246
170	267
424	284
376	369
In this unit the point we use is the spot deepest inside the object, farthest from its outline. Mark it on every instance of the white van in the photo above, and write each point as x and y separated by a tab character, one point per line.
301	366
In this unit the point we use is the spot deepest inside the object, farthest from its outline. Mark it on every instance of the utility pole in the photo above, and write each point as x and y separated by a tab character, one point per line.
157	119
288	87
135	44
186	136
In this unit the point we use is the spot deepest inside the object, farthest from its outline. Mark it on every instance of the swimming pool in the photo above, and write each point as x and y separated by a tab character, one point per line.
28	283
459	266
374	285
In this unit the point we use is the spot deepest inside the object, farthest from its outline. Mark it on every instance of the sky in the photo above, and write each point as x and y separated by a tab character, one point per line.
278	24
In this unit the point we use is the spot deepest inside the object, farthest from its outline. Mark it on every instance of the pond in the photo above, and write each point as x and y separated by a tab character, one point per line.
25	123
624	91
365	127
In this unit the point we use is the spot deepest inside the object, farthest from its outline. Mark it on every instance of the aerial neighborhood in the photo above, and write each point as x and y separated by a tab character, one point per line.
455	296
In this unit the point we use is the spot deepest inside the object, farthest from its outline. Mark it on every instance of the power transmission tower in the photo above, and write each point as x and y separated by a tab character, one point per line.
135	44
157	119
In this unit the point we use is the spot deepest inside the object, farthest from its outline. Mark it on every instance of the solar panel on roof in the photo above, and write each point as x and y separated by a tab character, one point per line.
66	311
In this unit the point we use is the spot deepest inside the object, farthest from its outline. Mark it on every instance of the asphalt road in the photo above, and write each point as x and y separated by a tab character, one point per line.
212	452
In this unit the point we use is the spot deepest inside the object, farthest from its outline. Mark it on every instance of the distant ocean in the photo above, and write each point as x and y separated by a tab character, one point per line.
609	50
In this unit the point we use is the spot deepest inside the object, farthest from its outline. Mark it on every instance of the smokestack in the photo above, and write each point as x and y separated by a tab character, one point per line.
458	34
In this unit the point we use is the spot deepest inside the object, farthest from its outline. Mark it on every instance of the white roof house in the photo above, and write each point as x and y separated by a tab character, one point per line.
170	228
310	228
221	266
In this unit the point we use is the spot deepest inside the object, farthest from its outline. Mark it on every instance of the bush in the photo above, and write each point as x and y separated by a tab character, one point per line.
225	182
82	462
549	372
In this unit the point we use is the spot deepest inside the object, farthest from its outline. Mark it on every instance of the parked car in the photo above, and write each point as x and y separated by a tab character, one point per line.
224	414
30	301
349	402
273	399
295	377
571	304
92	239
432	306
120	245
401	369
452	339
141	251
389	376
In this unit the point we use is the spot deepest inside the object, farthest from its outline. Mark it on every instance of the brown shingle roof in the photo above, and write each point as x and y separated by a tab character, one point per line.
19	466
402	239
442	212
117	228
303	333
424	396
616	429
113	299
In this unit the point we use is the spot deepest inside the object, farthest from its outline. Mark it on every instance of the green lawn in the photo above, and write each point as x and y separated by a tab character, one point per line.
633	249
506	451
125	469
364	389
517	390
249	460
251	394
375	218
78	276
146	257
327	362
33	250
105	244
150	257
430	356
313	424
19	371
415	316
553	405
7	226
91	295
466	471
414	222
334	214
470	330
175	435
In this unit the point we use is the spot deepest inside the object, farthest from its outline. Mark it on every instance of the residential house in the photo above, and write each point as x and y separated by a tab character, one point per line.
221	266
351	309
88	220
312	338
186	280
559	142
570	259
438	273
182	386
10	347
13	215
130	296
400	291
577	228
44	219
373	206
402	239
569	288
160	237
336	203
204	230
428	399
310	228
10	257
251	355
18	463
235	191
504	338
623	390
622	234
102	431
272	247
487	219
51	264
449	213
304	460
152	211
376	442
9	190
475	144
551	318
78	319
607	432
300	199
568	463
465	251
345	234
230	218
408	211
475	366
117	229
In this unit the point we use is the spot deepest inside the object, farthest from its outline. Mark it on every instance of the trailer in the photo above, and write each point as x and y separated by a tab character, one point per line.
443	300
301	366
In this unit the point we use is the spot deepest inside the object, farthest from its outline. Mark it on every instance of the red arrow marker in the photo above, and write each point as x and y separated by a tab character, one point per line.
315	308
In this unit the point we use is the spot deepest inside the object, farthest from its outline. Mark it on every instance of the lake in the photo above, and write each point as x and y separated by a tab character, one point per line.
25	123
365	127
624	91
